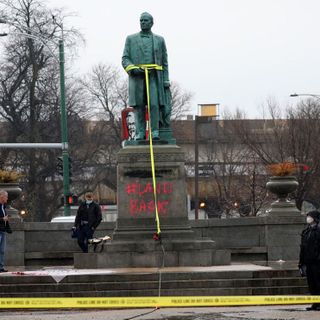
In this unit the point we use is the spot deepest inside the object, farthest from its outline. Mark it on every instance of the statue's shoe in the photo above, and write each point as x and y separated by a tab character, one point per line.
140	137
155	135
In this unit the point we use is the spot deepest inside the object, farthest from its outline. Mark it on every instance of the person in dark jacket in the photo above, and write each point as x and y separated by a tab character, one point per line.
87	220
4	227
310	255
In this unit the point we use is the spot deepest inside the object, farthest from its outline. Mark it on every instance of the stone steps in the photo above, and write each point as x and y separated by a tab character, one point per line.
151	276
140	285
245	254
167	292
268	282
59	258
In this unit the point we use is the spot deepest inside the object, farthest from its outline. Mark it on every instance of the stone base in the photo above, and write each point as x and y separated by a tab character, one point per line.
129	143
283	234
165	139
147	254
284	209
127	230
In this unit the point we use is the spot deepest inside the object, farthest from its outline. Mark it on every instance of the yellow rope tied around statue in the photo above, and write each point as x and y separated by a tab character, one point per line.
146	68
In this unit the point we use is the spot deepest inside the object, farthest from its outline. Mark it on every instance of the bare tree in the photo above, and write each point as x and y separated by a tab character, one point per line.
29	101
108	92
181	101
233	171
293	138
302	148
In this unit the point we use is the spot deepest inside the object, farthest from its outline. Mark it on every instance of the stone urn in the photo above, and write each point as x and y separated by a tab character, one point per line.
282	186
14	192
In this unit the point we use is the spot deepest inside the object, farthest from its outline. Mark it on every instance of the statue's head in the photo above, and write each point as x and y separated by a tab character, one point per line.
146	21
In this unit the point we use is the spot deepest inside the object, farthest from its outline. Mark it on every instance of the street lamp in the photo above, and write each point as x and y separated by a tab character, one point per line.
64	128
293	95
64	133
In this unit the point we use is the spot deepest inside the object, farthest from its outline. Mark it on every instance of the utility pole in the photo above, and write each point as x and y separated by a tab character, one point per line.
196	170
64	133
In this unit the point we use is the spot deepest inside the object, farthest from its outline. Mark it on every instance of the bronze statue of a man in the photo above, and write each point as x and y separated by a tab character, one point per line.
147	50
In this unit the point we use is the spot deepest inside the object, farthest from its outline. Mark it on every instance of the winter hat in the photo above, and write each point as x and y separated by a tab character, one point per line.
315	215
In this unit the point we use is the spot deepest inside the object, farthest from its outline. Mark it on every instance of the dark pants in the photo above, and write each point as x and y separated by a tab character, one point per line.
140	110
85	233
2	248
313	278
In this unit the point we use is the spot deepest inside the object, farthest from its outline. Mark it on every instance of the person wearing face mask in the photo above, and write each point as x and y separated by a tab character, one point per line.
87	220
310	255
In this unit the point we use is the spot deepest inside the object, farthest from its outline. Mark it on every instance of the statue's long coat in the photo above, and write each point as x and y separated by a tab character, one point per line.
133	54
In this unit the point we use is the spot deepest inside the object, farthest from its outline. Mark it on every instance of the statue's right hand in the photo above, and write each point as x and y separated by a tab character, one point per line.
136	72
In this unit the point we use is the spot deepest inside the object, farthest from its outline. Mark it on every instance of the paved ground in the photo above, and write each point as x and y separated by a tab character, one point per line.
297	312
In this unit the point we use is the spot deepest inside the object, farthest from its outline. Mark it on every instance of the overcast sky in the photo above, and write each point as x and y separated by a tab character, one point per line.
237	53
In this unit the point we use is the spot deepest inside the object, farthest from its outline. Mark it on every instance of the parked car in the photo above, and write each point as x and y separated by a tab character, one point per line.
109	214
64	219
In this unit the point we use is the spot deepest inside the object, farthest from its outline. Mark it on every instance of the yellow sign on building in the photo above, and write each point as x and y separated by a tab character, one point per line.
209	110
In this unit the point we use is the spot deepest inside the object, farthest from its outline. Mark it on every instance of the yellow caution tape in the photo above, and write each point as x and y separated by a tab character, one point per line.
146	68
153	302
143	66
131	67
150	66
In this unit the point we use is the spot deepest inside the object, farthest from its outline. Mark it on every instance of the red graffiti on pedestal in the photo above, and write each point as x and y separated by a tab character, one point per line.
142	201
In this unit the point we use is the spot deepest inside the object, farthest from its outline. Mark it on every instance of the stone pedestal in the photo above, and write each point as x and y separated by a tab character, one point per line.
283	237
15	248
284	209
136	208
133	244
